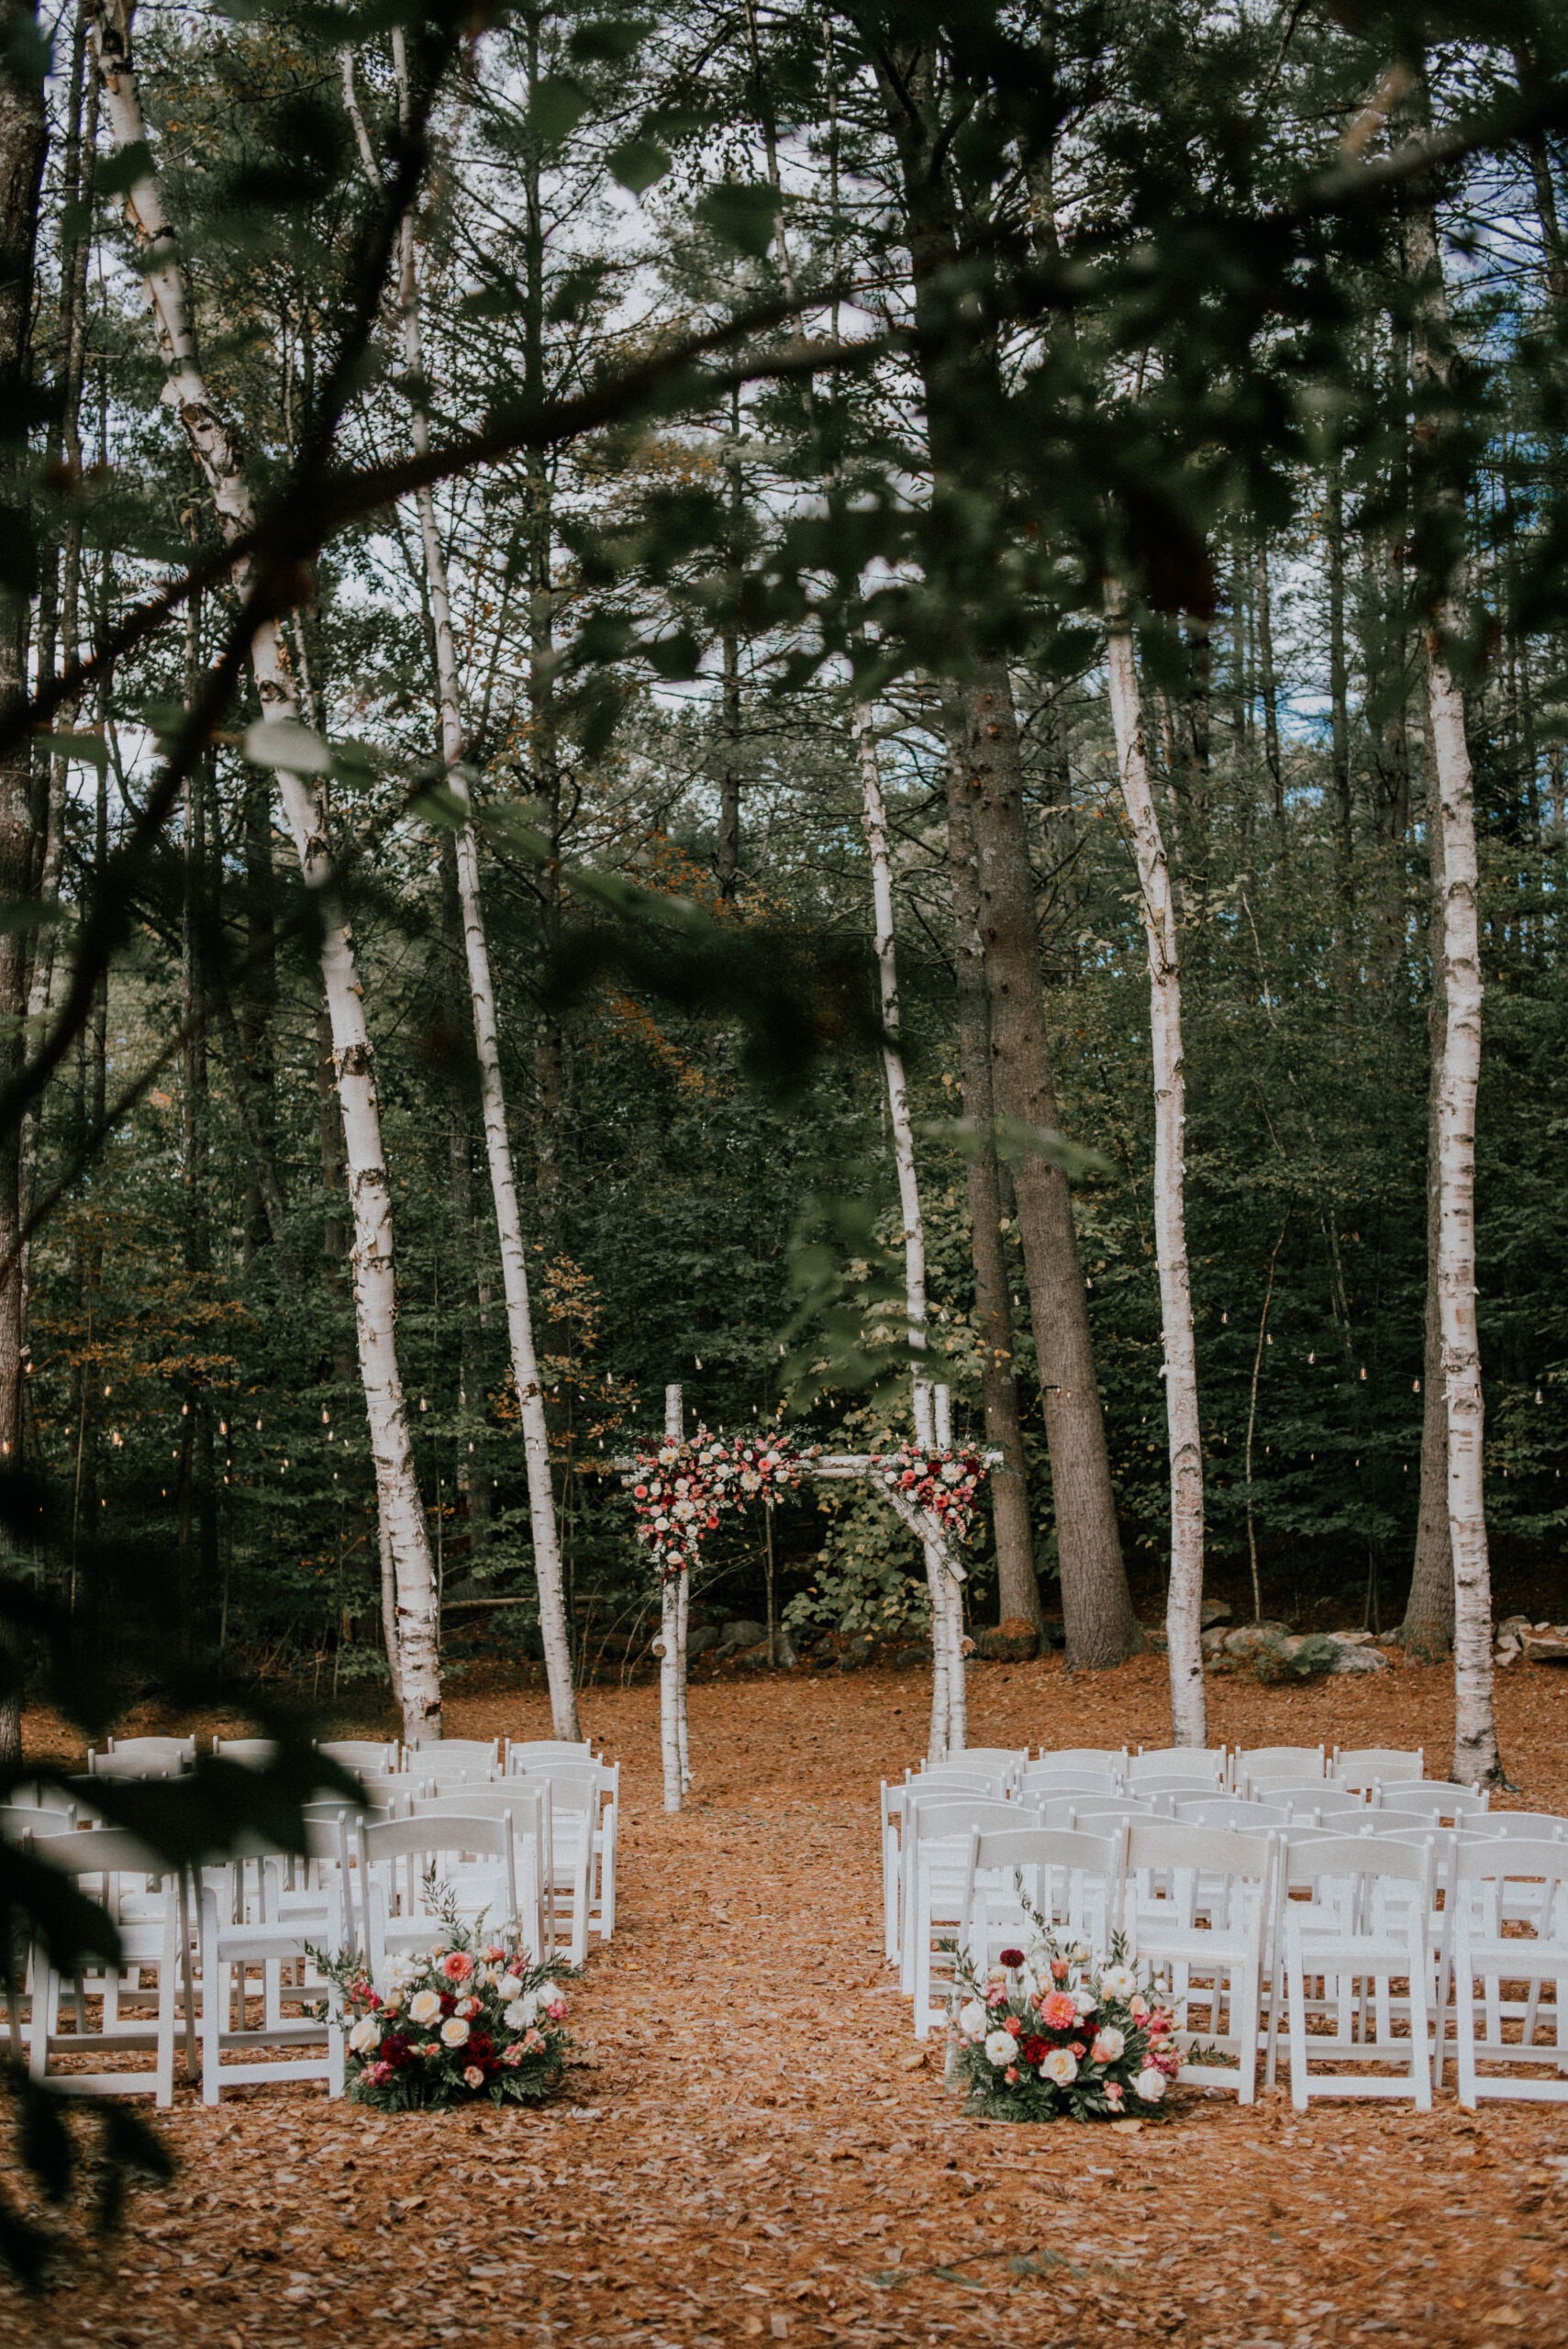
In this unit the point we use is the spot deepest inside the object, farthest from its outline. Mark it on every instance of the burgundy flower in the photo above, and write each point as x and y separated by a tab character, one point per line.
1012	1958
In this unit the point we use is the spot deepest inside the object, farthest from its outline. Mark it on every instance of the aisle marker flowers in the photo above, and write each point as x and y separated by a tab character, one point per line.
1058	2033
468	2021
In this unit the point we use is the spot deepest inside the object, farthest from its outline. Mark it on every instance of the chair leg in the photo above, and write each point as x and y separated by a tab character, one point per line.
1465	2026
1295	2023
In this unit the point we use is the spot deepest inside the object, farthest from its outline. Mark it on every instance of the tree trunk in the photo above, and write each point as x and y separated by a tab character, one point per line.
1339	708
1267	686
673	1735
23	140
1018	1582
1426	1631
873	816
1185	1601
1476	1753
1096	1606
487	1050
375	1288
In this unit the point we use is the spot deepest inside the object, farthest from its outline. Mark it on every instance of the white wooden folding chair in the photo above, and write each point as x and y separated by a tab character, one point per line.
1358	1942
1200	1766
1434	1799
248	1938
134	1886
1510	1934
1092	1757
1197	1906
1005	1761
1260	1762
1050	1779
526	1752
1020	1880
1235	1811
938	1783
935	1863
528	1806
251	1752
142	1757
584	1798
445	1757
1361	1767
377	1755
472	1858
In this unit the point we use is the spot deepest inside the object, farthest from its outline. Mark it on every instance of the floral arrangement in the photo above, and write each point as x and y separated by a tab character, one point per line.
469	2022
680	1489
1062	2034
946	1484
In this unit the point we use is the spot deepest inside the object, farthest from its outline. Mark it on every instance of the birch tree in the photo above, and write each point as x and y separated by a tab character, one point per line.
947	1605
302	791
1184	1596
482	990
1475	1752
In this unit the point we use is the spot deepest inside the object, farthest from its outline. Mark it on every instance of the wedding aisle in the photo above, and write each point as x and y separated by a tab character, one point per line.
746	2153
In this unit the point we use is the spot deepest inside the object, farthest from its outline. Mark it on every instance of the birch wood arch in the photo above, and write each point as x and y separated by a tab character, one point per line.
937	1541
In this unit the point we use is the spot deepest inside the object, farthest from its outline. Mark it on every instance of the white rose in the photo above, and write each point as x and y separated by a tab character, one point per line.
423	2007
1061	2066
364	2034
1084	2003
1000	2048
510	1985
454	2031
1150	2086
1108	2044
973	2020
1118	1982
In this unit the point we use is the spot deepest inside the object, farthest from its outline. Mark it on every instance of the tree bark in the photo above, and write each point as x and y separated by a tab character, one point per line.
487	1047
1475	1752
1339	706
23	142
376	1286
1189	1724
1426	1631
1267	686
1018	1581
960	386
1096	1606
873	816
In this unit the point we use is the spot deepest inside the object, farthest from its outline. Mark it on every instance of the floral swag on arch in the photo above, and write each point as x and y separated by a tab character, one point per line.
681	1490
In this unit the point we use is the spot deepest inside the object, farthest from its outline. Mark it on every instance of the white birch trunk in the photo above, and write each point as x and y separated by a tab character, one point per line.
672	1739
547	1574
874	816
375	1288
1476	1753
952	1596
1184	1602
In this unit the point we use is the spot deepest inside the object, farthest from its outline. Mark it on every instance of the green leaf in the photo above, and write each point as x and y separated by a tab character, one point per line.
608	40
117	173
91	749
556	107
1016	1141
742	214
26	913
283	742
637	162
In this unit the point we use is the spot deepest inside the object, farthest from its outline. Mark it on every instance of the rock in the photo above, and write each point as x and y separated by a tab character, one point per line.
1350	1638
1307	1656
856	1656
1154	1638
1514	1627
1213	1611
1212	1641
1545	1647
740	1633
1353	1659
1254	1636
698	1642
911	1659
756	1658
1054	1633
1013	1640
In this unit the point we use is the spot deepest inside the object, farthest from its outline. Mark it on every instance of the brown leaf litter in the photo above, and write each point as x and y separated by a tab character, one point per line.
748	2151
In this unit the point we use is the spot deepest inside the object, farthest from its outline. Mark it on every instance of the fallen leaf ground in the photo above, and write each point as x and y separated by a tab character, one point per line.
747	2154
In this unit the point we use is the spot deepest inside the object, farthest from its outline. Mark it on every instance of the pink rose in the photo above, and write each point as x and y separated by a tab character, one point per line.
557	2009
493	1954
1011	2075
376	2075
472	2076
457	1965
1113	2091
512	2057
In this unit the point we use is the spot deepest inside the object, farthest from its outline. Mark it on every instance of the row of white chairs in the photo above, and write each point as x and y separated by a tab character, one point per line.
440	1757
231	1947
1379	1957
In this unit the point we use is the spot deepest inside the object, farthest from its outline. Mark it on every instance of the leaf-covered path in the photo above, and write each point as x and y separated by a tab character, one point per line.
747	2152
